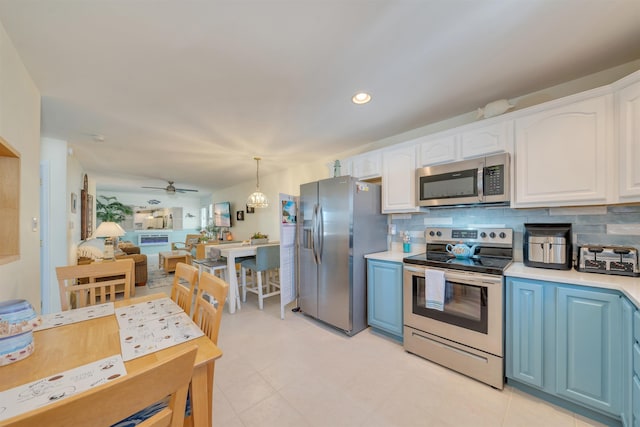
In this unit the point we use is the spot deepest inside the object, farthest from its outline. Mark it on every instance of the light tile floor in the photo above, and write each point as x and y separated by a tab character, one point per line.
298	372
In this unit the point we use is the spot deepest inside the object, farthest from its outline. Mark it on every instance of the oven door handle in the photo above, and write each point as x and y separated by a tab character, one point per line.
464	278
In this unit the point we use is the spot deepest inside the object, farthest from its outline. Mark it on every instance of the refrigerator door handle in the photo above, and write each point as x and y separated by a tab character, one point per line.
320	239
314	239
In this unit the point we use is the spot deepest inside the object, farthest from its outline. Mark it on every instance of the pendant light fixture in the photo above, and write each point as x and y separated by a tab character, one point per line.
257	199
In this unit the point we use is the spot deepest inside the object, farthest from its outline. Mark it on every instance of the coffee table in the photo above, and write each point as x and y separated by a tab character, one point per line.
168	260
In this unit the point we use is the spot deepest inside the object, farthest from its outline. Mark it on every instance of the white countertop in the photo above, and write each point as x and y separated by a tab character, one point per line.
393	256
630	286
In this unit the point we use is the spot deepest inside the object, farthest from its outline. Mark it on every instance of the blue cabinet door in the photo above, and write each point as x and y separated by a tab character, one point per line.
588	342
627	362
525	322
384	296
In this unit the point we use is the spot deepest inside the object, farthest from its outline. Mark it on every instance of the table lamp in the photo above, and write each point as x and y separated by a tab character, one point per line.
111	231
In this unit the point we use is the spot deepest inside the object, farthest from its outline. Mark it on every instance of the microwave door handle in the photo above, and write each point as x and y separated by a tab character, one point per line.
480	184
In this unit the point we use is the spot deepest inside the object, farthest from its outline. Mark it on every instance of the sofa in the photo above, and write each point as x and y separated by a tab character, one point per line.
92	249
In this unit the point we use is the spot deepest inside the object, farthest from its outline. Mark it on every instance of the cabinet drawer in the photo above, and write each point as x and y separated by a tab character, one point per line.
636	359
636	325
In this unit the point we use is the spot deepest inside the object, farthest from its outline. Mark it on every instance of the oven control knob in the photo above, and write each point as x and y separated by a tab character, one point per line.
431	233
483	234
503	235
492	235
438	233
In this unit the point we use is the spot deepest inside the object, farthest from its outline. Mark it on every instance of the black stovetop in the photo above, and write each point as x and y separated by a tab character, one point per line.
494	262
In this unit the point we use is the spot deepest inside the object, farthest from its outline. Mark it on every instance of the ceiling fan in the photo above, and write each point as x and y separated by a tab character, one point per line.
171	189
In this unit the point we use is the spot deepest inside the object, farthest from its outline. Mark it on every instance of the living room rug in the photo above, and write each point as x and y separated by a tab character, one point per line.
157	278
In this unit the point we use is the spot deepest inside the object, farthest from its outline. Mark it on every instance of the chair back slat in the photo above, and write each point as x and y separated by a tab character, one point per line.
91	284
267	257
206	315
110	403
184	285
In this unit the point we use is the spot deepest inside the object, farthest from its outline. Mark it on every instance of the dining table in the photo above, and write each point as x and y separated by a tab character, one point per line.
232	252
65	347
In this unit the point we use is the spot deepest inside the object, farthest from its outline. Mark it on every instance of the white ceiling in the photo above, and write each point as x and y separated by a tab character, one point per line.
192	90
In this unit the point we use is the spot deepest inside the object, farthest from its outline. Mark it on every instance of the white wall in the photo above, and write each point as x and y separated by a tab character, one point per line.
20	127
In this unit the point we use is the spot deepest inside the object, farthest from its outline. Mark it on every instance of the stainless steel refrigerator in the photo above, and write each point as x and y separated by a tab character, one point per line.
339	222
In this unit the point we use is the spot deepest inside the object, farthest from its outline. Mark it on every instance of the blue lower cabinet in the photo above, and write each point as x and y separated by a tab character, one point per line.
384	296
571	344
588	356
628	311
525	323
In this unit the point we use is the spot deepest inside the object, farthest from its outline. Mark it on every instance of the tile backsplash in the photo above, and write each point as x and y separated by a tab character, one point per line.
603	225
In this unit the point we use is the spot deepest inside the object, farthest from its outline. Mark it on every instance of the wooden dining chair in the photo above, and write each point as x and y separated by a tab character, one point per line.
110	403
95	283
184	285
212	292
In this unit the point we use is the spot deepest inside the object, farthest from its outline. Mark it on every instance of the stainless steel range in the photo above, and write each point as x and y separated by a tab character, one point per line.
455	317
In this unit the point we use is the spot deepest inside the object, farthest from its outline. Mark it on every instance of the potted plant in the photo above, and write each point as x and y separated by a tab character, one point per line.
111	210
258	238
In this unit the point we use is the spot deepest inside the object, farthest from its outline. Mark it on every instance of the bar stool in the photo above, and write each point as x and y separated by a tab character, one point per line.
267	258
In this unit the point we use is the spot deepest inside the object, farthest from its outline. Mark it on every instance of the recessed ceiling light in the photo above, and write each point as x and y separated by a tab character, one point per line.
361	98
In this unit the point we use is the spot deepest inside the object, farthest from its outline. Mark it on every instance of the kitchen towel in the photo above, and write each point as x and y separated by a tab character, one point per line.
434	284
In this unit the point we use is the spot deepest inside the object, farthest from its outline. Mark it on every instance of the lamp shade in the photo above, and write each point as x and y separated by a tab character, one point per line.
109	229
257	199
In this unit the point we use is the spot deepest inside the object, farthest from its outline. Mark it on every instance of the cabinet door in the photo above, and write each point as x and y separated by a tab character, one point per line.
525	327
588	342
628	311
439	149
495	138
629	136
384	296
366	165
562	155
399	180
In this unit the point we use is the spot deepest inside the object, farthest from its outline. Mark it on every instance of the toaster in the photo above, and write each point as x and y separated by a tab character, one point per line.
620	260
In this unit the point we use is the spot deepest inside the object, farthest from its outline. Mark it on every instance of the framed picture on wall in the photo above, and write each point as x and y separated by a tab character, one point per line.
222	214
240	215
250	209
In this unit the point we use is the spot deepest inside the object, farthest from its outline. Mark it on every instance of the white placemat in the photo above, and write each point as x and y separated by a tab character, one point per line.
136	314
157	334
39	393
61	318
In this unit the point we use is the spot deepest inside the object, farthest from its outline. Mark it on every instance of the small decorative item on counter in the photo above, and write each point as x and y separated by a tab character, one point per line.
259	239
17	320
406	242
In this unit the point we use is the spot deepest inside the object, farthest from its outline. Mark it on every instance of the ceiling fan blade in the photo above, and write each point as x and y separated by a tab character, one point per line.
155	188
184	190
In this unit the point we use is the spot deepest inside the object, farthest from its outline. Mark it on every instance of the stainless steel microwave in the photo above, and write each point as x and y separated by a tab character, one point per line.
468	182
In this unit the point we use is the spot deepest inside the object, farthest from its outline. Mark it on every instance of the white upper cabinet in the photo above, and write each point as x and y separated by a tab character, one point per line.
439	149
367	165
485	140
563	154
475	140
628	100
399	179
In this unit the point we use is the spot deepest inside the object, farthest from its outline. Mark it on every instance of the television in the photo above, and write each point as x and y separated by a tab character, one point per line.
222	214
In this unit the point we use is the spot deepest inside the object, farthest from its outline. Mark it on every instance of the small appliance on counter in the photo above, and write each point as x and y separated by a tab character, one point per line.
619	260
547	246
